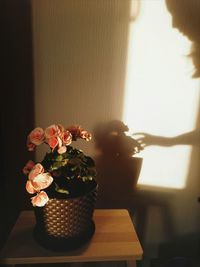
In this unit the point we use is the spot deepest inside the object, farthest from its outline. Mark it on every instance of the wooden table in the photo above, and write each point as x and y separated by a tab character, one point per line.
115	239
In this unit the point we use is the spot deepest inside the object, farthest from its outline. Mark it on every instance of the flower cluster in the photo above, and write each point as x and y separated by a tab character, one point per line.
56	136
64	170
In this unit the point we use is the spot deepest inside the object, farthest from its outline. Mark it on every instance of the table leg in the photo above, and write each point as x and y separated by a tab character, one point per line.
131	264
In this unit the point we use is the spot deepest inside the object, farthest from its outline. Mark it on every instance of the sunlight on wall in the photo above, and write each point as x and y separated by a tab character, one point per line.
161	97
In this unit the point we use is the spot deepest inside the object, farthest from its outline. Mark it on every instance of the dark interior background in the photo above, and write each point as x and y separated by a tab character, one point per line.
17	110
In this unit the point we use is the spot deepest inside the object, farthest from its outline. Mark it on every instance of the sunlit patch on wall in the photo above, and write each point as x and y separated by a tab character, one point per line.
161	97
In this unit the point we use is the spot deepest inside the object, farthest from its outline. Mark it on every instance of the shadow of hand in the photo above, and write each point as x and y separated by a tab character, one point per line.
146	139
189	138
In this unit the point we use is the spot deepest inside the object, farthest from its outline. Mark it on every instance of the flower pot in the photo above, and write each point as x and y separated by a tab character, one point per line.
65	224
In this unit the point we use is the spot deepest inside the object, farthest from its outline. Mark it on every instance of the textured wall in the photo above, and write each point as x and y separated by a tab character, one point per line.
80	49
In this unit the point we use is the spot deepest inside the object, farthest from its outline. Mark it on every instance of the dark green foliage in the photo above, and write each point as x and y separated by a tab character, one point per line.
71	169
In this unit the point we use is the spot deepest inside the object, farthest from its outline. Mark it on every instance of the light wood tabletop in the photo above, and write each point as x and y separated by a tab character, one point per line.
115	239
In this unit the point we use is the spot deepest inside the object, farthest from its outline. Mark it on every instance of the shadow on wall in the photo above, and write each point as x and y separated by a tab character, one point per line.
185	17
117	168
184	249
189	138
115	164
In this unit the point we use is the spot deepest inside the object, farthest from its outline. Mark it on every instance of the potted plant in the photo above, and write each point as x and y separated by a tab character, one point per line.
63	187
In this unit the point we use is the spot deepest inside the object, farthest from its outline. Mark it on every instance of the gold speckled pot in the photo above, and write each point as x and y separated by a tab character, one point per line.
65	219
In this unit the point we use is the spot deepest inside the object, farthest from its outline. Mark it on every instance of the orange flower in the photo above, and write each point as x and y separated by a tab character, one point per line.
28	167
67	138
85	135
53	131
29	187
62	150
59	166
40	199
42	181
37	169
36	137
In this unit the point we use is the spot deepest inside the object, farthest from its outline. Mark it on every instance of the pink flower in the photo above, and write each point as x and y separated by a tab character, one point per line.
41	181
29	187
78	132
54	142
28	167
30	146
61	130
40	199
53	131
36	137
38	181
67	138
62	149
85	135
59	142
37	169
75	131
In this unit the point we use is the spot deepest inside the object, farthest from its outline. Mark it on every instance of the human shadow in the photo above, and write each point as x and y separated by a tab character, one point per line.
160	199
118	169
117	166
185	17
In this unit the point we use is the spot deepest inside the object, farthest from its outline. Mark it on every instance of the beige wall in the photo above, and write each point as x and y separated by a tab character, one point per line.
80	51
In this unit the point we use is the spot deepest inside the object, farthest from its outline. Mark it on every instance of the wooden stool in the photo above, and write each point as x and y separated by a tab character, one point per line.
115	239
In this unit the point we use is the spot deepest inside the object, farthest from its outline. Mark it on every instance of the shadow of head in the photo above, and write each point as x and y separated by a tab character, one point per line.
185	17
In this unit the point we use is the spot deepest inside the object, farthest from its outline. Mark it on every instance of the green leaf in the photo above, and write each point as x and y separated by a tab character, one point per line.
59	158
61	190
74	168
58	164
86	178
